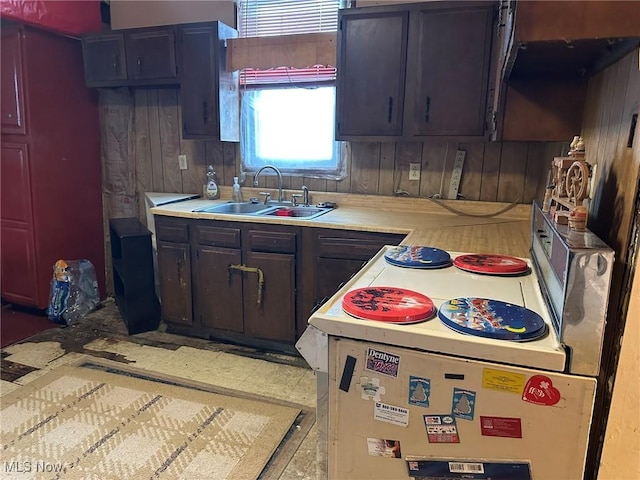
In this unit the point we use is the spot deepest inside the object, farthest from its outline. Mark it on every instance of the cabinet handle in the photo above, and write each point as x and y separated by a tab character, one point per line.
205	113
427	108
179	265
390	110
139	64
244	268
116	68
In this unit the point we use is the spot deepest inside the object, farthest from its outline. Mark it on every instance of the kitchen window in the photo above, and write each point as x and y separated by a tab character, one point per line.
288	114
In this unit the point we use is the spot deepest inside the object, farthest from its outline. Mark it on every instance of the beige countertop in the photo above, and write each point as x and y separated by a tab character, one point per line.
471	227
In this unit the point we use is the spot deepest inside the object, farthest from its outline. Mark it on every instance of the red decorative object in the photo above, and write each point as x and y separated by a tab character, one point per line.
491	264
540	390
388	304
72	18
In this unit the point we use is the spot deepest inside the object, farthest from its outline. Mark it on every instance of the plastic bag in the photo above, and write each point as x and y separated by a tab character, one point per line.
74	291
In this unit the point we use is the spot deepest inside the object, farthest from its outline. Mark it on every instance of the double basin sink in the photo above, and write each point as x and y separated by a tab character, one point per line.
267	210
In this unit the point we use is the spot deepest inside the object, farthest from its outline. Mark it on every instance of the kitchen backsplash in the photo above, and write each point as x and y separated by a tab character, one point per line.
142	141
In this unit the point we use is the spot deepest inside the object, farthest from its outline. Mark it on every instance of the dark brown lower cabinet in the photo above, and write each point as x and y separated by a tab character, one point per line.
270	313
174	264
174	268
253	283
218	290
331	257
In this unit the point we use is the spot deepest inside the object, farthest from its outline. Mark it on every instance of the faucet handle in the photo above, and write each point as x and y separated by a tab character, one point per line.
267	196
295	197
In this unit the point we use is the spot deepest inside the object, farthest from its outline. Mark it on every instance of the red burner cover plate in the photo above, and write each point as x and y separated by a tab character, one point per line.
388	304
496	264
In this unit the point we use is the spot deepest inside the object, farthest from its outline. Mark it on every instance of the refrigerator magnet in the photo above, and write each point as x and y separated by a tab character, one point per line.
370	388
501	427
463	404
381	447
503	381
419	391
382	362
441	429
540	391
391	414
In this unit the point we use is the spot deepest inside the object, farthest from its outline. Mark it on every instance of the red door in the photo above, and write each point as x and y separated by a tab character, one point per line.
17	260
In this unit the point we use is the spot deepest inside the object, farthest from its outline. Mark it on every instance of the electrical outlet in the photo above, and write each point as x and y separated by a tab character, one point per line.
414	171
182	162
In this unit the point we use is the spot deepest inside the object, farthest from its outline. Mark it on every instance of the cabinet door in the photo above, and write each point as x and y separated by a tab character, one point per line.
197	82
105	62
18	265
151	56
330	274
447	91
209	94
218	290
12	106
174	267
274	317
371	73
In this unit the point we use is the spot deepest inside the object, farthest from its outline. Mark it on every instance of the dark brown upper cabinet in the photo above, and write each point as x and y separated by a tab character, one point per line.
105	60
372	52
448	80
209	94
145	56
414	70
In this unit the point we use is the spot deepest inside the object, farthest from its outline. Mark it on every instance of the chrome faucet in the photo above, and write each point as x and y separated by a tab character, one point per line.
305	195
275	169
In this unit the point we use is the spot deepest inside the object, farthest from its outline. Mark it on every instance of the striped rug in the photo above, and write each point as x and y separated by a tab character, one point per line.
89	421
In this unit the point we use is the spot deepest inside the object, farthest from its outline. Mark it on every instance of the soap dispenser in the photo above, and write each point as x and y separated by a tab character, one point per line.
237	194
211	191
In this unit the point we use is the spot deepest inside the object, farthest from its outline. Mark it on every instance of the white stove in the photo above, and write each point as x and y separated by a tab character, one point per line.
441	285
505	406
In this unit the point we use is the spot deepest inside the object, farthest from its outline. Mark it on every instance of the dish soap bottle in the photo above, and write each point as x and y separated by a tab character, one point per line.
237	194
212	187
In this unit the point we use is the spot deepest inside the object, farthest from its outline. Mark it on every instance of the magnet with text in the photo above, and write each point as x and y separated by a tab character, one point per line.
503	381
382	362
391	414
540	390
370	388
464	404
380	447
420	468
501	427
419	391
441	429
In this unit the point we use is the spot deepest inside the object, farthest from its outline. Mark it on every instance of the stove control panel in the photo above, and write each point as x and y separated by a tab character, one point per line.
574	270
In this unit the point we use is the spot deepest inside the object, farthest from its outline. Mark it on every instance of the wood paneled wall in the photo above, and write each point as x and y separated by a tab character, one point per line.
142	141
613	98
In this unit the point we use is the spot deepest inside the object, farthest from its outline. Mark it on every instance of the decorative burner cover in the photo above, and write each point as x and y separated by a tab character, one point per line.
491	264
492	319
412	256
388	304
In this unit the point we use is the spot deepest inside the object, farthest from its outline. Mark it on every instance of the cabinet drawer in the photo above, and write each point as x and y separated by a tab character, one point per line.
171	230
217	236
350	248
278	242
